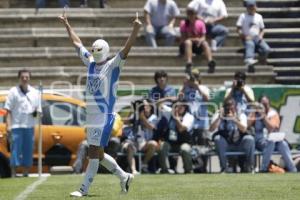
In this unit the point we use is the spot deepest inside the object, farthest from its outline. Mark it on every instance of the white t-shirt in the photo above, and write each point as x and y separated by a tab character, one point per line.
161	14
209	9
22	106
251	25
187	120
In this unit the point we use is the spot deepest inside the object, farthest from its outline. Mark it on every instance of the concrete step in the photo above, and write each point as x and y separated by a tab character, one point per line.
115	17
140	3
285	53
149	70
288	80
283	33
284	61
110	3
287	70
39	37
139	56
278	3
136	78
69	58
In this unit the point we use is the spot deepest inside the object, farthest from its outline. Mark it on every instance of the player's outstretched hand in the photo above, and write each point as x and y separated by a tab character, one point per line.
137	22
63	18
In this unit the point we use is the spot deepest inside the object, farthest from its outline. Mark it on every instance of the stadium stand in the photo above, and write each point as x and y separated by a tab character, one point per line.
36	40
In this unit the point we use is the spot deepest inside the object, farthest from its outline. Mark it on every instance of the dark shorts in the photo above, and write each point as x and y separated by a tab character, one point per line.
196	50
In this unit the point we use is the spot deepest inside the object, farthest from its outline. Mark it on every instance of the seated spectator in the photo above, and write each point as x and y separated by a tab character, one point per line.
193	40
250	27
162	89
231	136
129	148
42	3
266	118
197	95
112	149
212	12
144	136
160	17
240	92
178	136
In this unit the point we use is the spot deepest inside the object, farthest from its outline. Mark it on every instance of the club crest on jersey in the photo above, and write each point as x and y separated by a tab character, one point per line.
94	85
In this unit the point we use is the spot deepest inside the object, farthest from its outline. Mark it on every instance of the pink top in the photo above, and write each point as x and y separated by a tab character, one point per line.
193	30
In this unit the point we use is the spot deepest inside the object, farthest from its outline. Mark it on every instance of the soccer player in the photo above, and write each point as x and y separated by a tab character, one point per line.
102	77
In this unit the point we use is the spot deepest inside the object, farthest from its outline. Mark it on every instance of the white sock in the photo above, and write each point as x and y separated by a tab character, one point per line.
111	165
90	173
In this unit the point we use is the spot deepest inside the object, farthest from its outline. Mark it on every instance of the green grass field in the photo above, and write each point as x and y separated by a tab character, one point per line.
165	187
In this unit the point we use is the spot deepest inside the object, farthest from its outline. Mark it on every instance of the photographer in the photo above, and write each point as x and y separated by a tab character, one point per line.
178	136
144	123
231	135
266	119
22	105
240	92
197	96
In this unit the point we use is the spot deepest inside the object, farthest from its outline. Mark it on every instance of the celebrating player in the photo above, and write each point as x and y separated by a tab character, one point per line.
102	77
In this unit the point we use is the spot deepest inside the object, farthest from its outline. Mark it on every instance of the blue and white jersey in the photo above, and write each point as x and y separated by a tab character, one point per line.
101	88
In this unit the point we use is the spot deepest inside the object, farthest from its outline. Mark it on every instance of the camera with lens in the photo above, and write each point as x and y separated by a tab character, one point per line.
240	83
192	78
226	110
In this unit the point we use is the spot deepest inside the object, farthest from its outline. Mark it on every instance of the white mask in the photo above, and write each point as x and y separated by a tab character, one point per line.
100	50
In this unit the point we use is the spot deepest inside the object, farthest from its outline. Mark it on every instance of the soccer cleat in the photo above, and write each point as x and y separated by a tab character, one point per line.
125	183
77	194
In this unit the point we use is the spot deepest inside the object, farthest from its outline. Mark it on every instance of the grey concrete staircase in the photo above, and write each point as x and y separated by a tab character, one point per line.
35	39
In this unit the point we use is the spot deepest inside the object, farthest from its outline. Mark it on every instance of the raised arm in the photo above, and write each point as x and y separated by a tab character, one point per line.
72	35
136	27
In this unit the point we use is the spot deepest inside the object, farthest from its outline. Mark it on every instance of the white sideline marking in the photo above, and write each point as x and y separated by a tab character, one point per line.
30	188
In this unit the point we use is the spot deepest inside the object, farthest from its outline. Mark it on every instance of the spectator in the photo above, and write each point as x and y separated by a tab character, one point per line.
129	148
240	92
265	117
178	137
22	105
231	135
145	136
193	40
141	135
160	17
250	27
162	89
197	95
212	12
42	3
